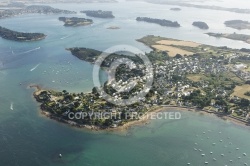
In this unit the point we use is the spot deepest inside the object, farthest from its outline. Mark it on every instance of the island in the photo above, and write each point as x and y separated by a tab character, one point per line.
175	9
238	24
40	9
161	22
200	24
208	80
233	36
75	21
98	13
20	36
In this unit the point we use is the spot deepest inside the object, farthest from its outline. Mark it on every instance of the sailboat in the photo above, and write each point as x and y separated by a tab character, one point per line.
11	106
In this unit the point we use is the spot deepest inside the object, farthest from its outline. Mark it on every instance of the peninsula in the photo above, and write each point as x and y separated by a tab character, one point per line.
75	21
238	24
233	36
39	9
207	80
20	36
200	24
161	22
98	13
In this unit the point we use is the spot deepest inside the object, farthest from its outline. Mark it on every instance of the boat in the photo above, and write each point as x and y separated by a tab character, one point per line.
65	37
11	106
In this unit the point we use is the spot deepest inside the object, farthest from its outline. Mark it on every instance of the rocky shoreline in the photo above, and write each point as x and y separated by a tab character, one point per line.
142	121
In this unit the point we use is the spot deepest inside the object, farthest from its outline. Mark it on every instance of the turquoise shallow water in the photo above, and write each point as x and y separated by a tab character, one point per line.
28	139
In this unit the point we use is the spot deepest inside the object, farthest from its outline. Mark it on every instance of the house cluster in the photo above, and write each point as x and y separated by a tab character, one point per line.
170	76
170	86
189	65
240	69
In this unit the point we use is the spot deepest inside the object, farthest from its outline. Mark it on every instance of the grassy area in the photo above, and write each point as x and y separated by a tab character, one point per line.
172	51
195	77
240	90
150	40
234	78
173	46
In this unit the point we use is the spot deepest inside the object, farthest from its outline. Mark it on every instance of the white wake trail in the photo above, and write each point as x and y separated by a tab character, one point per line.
34	68
29	51
65	37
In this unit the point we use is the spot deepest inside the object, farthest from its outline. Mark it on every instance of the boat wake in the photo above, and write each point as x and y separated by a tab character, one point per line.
11	106
34	68
35	49
65	37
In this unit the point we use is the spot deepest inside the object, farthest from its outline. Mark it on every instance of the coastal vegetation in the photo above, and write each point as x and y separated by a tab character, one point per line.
247	93
91	55
75	21
161	22
171	46
99	13
233	36
200	24
20	36
238	24
207	78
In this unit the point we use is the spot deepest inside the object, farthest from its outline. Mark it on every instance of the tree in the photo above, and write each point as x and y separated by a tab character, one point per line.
108	122
244	103
178	56
94	90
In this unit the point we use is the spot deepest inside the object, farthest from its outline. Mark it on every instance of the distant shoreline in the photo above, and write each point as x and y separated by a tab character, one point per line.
233	36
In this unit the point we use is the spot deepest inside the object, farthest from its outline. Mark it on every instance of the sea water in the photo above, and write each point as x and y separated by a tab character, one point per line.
27	138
